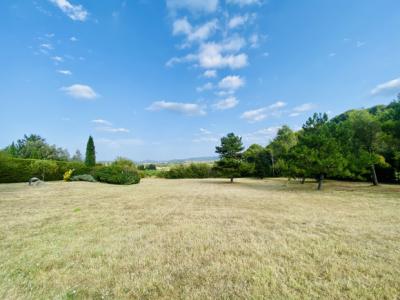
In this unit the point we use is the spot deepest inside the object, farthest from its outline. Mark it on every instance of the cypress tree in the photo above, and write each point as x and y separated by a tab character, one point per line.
90	159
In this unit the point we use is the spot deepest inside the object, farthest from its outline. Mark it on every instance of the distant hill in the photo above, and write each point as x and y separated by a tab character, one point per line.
180	161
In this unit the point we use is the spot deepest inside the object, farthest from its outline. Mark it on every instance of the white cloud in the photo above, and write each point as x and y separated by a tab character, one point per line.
119	143
200	33
304	107
243	2
112	129
238	21
279	104
211	55
47	46
262	113
57	59
360	44
206	136
177	60
65	72
210	73
298	110
254	40
387	87
205	131
205	6
80	91
75	12
190	109
102	122
262	136
227	103
206	87
255	115
231	83
73	39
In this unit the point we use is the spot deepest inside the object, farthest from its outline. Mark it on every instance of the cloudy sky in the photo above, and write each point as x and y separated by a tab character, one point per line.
166	79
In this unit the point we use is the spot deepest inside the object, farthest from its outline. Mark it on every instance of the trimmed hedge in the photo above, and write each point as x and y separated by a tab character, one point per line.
21	170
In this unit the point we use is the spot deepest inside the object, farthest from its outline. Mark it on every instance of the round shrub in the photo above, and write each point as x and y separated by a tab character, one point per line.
117	174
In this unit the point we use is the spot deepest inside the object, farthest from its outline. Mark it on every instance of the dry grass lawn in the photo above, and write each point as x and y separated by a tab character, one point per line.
199	239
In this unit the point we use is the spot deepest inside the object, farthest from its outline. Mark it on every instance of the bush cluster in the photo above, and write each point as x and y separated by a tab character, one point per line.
122	171
199	170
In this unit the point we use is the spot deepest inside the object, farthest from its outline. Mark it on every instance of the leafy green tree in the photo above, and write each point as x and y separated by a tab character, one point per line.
279	149
90	159
320	150
257	162
366	140
230	154
35	147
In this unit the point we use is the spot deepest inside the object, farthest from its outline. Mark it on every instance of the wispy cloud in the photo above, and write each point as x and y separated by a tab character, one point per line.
102	122
257	115
388	87
199	33
80	91
238	21
64	72
231	83
298	110
75	12
57	59
190	109
203	6
261	136
206	136
120	143
112	129
227	103
244	2
205	87
210	73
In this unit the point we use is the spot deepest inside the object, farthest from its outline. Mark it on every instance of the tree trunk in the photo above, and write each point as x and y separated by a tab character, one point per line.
303	180
231	179
374	177
320	181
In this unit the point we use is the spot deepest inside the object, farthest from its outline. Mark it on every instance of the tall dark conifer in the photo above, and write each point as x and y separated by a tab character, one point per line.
90	159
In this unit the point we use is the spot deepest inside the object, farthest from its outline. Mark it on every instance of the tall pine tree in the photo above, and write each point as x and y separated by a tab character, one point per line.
230	156
90	159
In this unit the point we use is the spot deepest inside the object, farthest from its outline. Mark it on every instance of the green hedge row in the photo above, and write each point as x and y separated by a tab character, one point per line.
21	170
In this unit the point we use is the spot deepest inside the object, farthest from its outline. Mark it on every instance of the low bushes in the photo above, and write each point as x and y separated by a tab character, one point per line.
21	170
199	170
122	171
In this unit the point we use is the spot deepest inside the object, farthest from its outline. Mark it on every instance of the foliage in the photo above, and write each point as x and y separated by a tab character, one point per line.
194	170
230	156
83	177
42	168
20	170
68	175
121	171
90	159
35	147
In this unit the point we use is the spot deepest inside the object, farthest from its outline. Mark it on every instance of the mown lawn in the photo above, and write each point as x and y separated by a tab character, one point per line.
199	239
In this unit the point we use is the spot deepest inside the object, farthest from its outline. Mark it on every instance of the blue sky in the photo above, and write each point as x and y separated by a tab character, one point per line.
166	79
